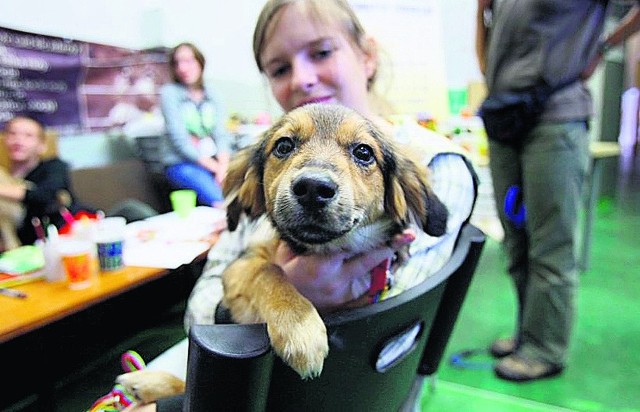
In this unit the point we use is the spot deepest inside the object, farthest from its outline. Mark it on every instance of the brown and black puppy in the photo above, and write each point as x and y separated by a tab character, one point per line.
329	181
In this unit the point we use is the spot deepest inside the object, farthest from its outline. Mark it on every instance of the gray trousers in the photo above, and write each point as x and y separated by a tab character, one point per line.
550	168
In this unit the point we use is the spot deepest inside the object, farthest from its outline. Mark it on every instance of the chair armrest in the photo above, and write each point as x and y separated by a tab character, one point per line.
228	366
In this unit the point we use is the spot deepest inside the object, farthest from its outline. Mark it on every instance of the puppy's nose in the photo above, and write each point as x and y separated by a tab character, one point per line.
314	191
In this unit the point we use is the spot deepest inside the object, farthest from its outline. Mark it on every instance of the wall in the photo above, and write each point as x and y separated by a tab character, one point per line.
412	32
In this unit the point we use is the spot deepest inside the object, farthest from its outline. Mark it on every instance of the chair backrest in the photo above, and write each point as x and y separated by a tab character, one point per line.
376	352
105	187
149	150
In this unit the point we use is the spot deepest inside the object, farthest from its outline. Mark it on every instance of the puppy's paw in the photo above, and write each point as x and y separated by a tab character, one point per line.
301	341
148	385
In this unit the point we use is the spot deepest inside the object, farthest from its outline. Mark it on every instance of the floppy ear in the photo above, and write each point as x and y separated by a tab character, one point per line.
408	196
242	186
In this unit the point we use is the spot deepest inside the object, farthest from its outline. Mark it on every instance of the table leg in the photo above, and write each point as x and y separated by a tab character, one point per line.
593	190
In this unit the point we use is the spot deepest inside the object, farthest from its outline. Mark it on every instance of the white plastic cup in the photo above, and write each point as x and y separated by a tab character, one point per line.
109	238
53	269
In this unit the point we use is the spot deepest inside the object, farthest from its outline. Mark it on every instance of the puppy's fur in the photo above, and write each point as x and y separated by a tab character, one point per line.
329	181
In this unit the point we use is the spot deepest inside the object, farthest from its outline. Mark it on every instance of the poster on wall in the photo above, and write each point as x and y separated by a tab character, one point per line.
78	87
412	73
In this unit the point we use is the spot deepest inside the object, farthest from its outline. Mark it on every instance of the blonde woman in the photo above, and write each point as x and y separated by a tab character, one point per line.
316	51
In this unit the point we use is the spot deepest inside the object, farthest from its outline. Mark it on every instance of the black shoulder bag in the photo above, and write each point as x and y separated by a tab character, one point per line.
509	116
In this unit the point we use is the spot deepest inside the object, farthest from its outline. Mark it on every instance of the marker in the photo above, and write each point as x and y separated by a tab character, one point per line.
37	226
13	293
67	216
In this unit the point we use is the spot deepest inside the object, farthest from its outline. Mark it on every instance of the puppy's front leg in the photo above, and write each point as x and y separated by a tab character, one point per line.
258	291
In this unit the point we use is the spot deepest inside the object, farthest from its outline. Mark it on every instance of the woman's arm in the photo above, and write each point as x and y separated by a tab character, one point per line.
481	33
207	292
222	137
627	26
48	179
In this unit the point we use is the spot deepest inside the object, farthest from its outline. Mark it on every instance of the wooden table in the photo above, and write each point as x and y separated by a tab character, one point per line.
599	151
55	332
49	336
48	302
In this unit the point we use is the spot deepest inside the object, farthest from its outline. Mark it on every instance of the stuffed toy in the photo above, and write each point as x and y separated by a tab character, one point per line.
118	399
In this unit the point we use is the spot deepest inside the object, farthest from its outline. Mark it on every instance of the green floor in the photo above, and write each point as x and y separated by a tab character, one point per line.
603	371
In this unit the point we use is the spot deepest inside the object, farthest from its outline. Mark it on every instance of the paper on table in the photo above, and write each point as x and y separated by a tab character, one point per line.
168	241
162	254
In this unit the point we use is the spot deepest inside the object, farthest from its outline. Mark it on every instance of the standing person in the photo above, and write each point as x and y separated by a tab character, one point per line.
520	45
197	147
316	51
41	181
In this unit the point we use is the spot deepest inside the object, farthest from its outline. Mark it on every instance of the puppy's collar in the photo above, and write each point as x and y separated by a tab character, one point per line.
380	281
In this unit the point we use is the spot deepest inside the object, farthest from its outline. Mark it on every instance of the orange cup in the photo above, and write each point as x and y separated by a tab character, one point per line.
78	263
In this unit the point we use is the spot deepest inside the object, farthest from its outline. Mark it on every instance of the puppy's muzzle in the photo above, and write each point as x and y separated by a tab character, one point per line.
314	191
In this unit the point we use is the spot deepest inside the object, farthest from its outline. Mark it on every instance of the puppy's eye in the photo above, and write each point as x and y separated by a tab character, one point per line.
284	146
363	154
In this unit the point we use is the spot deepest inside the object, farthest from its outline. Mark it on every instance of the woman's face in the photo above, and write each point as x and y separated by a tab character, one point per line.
307	63
186	67
23	141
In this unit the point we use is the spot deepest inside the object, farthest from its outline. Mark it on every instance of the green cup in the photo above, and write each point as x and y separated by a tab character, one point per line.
457	100
183	201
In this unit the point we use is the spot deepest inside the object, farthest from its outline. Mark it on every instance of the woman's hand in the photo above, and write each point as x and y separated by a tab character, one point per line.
330	282
223	165
218	167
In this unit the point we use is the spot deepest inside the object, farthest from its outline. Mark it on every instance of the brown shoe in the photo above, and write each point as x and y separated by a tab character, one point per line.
502	347
516	368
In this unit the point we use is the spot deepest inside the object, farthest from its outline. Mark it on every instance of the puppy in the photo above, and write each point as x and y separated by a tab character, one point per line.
329	181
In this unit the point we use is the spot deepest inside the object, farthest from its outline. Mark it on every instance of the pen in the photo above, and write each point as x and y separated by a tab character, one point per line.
13	293
37	226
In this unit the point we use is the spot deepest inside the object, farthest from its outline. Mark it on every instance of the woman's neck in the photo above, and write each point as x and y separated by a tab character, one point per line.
21	169
195	93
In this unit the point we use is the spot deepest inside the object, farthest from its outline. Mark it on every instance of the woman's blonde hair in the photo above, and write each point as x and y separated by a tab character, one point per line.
197	54
325	11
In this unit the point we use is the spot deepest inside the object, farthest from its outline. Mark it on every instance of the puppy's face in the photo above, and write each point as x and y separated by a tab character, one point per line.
323	171
322	175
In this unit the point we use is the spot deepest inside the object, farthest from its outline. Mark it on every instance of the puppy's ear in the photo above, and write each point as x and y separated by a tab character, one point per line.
242	187
408	196
435	220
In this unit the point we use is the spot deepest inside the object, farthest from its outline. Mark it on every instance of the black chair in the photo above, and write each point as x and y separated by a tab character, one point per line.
149	150
378	355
